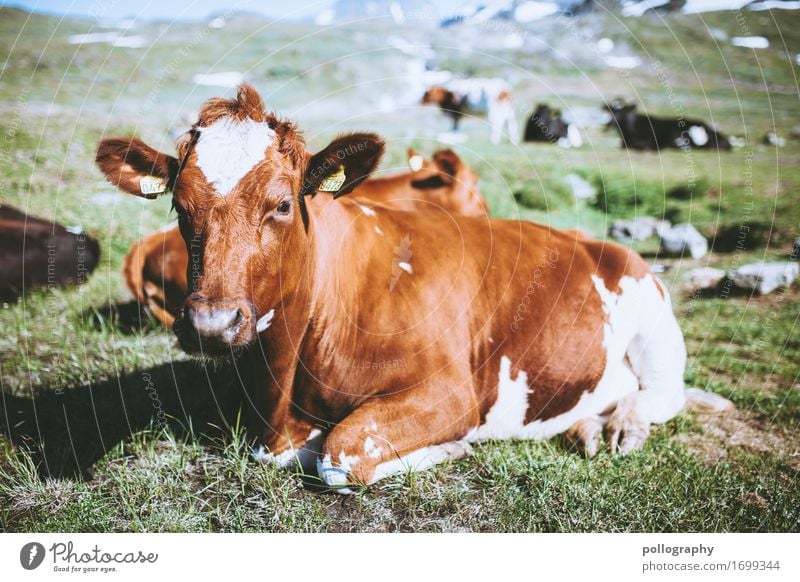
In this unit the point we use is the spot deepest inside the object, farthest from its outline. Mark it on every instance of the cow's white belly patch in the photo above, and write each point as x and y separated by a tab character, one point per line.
422	459
506	418
227	149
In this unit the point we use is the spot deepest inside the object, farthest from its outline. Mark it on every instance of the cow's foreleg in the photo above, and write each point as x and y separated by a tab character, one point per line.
513	130
410	430
456	119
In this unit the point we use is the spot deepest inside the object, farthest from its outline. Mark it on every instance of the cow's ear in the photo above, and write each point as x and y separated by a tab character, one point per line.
448	163
344	164
135	167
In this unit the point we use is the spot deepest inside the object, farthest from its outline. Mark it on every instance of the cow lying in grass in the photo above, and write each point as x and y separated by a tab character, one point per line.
444	181
643	132
547	125
489	329
155	267
38	253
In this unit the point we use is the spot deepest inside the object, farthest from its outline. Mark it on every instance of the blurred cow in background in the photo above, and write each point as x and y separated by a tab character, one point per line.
547	125
490	97
444	181
38	253
642	132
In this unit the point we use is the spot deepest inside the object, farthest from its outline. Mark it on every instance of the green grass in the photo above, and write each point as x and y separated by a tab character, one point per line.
113	429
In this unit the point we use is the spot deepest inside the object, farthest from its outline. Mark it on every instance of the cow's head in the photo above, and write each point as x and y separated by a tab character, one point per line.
622	113
448	180
238	185
438	95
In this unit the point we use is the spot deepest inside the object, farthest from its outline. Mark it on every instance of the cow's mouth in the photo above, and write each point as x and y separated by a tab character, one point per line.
218	329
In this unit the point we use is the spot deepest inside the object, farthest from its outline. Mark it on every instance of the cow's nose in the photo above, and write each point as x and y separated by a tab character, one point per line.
209	321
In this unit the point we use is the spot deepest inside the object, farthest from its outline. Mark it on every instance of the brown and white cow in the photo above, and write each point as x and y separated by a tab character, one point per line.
395	350
444	181
489	97
155	267
155	272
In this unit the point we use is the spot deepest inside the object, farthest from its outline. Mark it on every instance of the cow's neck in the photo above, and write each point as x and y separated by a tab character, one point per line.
307	325
268	376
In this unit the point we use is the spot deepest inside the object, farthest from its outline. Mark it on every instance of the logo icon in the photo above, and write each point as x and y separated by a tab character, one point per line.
31	555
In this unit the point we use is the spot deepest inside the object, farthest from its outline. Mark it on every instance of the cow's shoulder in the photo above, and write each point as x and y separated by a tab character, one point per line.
613	261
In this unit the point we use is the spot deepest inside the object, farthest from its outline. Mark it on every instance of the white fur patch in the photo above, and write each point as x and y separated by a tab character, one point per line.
699	135
265	321
507	415
367	210
291	455
574	136
228	149
642	331
422	459
371	449
378	230
283	459
405	266
333	476
346	462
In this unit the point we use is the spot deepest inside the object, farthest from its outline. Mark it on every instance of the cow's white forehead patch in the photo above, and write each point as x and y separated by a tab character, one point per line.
227	149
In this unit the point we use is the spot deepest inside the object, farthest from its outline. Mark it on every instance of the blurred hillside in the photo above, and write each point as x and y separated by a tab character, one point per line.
66	82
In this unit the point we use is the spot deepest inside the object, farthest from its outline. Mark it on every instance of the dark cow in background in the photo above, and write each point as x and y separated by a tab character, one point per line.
547	125
38	253
643	132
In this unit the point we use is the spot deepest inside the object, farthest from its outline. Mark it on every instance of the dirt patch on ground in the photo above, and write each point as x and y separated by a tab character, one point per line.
724	432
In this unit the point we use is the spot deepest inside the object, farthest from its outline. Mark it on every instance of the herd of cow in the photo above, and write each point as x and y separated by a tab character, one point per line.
493	98
317	279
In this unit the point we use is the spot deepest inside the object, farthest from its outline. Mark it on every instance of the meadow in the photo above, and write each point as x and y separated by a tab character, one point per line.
105	425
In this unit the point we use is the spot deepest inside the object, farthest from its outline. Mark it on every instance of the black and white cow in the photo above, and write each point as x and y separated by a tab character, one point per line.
643	132
547	125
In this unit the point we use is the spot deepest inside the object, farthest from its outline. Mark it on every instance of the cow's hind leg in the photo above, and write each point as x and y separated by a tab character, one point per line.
657	356
410	430
586	435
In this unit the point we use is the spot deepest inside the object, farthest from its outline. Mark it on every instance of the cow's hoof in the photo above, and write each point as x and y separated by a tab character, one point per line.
585	435
625	431
337	478
703	401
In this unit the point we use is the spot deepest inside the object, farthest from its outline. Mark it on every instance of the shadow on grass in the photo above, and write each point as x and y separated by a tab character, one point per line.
66	430
126	318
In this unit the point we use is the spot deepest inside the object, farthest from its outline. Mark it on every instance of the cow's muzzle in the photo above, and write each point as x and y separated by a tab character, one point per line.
214	327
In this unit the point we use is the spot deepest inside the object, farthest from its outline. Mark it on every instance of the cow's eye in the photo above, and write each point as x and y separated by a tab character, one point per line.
284	207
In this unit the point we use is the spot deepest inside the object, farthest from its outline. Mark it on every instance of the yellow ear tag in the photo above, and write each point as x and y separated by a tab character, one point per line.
151	186
333	182
415	162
